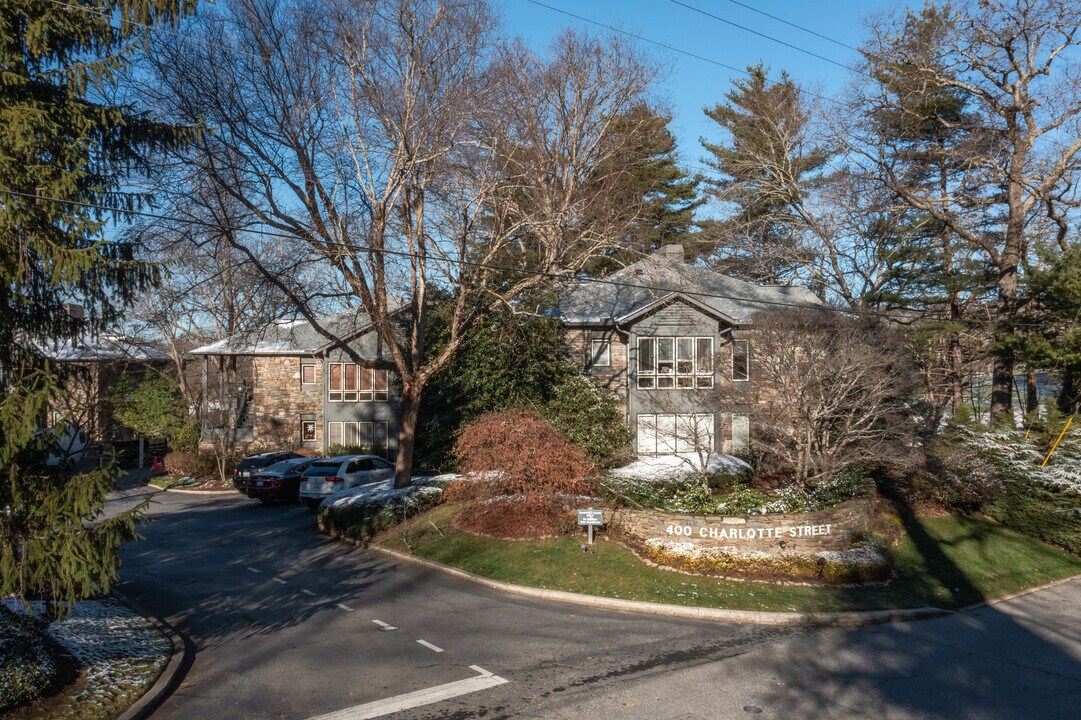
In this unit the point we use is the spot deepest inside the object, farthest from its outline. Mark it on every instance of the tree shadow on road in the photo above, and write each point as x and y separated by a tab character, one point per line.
1008	661
220	569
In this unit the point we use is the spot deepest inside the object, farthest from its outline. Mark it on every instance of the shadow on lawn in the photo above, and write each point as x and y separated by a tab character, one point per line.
1008	662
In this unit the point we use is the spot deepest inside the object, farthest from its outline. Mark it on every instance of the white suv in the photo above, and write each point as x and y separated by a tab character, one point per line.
327	476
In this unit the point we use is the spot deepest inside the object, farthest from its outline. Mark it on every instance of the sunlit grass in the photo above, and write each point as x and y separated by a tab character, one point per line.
946	562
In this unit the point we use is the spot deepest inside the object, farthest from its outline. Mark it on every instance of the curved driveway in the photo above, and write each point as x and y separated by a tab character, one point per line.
288	624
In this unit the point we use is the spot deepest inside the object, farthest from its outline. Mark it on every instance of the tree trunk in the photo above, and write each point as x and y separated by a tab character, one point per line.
407	435
1069	397
1032	391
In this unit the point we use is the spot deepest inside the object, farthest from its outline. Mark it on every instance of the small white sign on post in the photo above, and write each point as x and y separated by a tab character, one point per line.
591	518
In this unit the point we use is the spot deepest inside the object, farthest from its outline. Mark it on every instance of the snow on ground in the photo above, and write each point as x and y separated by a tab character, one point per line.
121	652
1021	459
384	491
673	468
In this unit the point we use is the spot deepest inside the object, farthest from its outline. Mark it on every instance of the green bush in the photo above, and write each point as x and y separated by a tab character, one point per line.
591	418
186	438
1048	513
26	664
741	501
359	518
336	449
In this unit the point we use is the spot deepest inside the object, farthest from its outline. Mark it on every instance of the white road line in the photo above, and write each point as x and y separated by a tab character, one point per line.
380	623
420	698
345	607
431	647
279	581
306	591
251	569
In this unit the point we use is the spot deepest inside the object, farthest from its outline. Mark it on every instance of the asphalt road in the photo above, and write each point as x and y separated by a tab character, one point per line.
289	624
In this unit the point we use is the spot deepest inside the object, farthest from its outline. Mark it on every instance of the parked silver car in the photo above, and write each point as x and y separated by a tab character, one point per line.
327	476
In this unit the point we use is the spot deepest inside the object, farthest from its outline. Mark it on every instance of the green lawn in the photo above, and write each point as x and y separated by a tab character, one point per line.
945	562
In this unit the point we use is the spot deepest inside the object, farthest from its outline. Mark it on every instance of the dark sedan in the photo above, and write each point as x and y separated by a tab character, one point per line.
280	481
256	464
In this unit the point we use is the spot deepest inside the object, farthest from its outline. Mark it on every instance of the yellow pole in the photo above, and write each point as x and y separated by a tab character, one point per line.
1060	436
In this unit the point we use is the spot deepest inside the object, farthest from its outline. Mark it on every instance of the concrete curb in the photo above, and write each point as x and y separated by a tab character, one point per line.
174	670
753	617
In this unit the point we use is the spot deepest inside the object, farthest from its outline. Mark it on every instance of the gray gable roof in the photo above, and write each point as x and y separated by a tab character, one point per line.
290	337
662	277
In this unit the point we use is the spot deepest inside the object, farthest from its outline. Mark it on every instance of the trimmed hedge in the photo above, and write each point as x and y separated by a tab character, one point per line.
27	665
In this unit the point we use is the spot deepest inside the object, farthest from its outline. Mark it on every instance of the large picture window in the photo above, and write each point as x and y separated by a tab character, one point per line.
369	434
675	362
667	434
350	382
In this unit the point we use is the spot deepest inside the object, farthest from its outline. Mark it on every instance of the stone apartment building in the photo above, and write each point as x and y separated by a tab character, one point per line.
288	385
663	335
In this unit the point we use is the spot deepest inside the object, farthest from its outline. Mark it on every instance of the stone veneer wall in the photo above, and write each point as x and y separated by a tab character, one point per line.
807	533
580	350
279	400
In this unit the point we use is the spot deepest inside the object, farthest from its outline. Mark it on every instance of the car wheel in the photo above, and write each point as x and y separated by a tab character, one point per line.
312	504
265	501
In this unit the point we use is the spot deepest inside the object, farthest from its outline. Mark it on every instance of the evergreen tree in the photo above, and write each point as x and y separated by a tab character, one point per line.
667	195
66	150
767	168
1055	341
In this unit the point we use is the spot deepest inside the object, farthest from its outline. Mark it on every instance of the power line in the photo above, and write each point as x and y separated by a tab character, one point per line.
562	277
792	24
680	51
726	21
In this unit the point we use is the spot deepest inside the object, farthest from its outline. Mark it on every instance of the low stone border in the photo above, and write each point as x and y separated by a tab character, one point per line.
755	617
1020	593
174	670
200	492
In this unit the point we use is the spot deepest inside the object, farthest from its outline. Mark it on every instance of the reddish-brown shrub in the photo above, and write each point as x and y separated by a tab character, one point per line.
523	454
517	456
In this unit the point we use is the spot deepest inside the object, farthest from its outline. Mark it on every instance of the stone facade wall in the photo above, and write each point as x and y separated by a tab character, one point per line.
580	351
278	401
807	533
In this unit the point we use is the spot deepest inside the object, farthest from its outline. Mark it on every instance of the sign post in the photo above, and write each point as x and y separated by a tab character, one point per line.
590	518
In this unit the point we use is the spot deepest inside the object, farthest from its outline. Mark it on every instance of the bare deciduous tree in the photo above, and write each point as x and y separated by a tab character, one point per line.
1019	162
397	141
827	390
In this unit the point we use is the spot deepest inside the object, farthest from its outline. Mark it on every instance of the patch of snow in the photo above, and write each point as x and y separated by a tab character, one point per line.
121	652
673	468
384	491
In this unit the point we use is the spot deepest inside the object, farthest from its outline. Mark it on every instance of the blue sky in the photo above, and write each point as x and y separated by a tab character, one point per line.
692	84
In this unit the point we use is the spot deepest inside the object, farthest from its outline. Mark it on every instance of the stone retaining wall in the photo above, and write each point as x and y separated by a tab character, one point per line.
807	533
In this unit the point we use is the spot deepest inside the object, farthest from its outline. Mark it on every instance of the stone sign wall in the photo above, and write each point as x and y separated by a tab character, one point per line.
830	529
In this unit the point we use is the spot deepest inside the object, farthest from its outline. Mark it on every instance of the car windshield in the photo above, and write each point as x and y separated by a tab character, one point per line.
281	466
323	468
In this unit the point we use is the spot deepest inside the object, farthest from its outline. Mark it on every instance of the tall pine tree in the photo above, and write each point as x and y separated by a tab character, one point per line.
66	152
767	167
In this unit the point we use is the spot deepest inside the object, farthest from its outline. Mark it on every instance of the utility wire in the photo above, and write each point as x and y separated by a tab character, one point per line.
680	51
726	21
563	277
792	24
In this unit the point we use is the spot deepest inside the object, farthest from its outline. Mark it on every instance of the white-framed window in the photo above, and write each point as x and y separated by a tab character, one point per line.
307	374
667	434
601	356
675	362
350	382
372	434
741	360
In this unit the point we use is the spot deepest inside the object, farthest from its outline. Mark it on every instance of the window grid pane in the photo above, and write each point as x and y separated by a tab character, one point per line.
334	433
